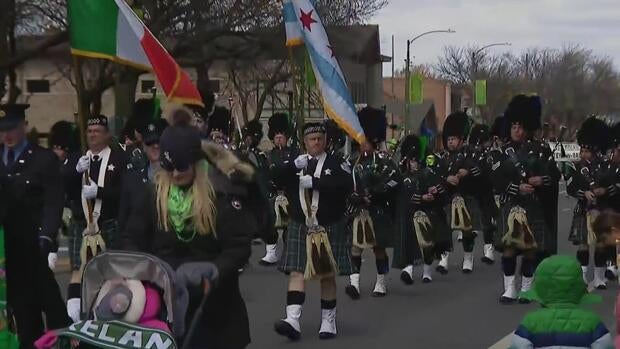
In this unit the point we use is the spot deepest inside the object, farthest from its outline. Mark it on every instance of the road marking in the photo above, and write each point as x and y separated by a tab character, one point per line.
503	343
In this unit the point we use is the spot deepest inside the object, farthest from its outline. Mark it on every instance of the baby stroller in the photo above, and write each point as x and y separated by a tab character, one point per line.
132	300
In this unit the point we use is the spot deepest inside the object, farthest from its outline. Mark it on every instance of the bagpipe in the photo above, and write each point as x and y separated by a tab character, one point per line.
460	218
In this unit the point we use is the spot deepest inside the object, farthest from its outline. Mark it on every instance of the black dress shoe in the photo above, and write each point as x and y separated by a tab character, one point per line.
441	270
467	271
379	294
506	300
610	275
327	335
352	292
524	301
406	278
487	261
267	264
285	329
426	280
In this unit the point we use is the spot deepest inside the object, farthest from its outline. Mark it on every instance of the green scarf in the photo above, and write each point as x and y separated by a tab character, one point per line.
180	213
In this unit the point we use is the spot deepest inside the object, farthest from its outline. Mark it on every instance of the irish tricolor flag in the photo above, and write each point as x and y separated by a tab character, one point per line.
110	29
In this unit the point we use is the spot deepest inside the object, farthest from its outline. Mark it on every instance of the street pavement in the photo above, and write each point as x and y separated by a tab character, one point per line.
455	311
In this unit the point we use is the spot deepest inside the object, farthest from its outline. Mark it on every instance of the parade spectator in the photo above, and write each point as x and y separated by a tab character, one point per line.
192	213
561	322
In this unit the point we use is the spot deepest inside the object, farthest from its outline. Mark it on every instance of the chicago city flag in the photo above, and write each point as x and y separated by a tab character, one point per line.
335	94
110	29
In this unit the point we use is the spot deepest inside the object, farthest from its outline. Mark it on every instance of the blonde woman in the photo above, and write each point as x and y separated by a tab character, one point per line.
193	212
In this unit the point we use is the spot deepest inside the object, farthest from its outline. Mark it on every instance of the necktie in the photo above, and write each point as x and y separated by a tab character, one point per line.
96	158
312	163
10	158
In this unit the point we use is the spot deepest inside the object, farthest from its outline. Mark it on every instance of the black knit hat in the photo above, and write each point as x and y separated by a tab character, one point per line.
525	111
279	124
64	135
374	123
500	128
479	134
143	114
180	144
594	135
456	125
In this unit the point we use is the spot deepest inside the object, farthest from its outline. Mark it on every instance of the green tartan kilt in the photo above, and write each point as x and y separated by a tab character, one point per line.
294	255
473	207
535	218
109	232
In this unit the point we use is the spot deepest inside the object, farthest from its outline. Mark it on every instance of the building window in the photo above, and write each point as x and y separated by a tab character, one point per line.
38	86
147	86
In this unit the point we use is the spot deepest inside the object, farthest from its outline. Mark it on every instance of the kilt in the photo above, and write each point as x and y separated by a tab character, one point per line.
535	217
294	254
473	207
579	228
383	225
109	231
407	250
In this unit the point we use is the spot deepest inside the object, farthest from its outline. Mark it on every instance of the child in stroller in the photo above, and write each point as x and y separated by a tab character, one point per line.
129	300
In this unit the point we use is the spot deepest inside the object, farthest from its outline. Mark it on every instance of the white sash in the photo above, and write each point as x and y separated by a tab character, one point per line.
93	227
311	219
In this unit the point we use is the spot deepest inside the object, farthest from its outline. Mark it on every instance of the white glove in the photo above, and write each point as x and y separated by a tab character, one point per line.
305	182
301	161
52	258
90	191
73	309
83	164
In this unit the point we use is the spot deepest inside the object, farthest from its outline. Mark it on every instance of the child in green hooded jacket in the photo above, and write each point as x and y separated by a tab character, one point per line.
561	322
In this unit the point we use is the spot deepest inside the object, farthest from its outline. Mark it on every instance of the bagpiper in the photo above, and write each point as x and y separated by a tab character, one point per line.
462	176
279	133
523	173
317	185
372	204
480	145
591	182
423	233
614	159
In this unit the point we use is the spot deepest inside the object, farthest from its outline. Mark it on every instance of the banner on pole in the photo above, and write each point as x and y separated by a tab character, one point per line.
481	92
416	89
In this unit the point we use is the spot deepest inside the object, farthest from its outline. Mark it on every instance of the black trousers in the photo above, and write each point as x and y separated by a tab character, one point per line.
32	293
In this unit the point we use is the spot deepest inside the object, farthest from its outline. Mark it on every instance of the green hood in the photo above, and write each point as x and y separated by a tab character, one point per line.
558	281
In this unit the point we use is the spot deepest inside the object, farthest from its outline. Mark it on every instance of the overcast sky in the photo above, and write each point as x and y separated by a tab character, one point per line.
595	24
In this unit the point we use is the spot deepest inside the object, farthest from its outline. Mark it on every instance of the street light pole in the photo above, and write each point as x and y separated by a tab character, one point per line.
408	69
474	66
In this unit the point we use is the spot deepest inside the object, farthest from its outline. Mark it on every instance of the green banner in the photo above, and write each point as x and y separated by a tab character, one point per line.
481	92
8	340
416	89
118	335
310	78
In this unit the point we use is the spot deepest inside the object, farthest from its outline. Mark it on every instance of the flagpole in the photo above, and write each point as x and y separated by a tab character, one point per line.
82	111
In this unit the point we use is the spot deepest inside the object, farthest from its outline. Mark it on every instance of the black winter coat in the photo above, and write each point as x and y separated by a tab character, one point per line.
225	321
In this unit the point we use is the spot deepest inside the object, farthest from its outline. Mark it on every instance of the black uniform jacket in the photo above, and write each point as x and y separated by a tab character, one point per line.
34	198
334	186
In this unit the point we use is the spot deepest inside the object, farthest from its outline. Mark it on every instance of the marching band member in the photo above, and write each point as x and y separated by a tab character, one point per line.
317	186
423	233
589	182
521	175
462	174
375	180
99	174
279	133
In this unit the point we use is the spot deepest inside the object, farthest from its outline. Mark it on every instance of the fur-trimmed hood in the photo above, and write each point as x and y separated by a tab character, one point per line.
228	163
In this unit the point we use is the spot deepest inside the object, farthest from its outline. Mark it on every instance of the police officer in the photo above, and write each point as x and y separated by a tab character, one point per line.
33	194
99	174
